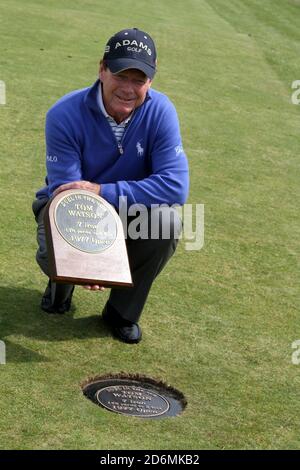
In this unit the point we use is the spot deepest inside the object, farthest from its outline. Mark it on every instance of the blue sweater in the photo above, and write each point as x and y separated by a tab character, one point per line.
149	167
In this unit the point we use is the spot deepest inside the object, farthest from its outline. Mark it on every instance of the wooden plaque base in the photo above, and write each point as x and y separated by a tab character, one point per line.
85	241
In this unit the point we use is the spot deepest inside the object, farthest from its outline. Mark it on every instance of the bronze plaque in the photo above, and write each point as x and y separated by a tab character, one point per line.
85	222
132	400
135	395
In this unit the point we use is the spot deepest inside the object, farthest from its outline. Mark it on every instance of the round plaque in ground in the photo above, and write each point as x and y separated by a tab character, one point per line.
134	395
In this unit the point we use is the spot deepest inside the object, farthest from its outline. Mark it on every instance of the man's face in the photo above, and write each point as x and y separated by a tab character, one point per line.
123	92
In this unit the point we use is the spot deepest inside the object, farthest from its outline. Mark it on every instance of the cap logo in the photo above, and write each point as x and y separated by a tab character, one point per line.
141	45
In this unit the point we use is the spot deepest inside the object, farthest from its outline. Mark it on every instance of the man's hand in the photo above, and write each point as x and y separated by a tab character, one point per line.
95	287
94	187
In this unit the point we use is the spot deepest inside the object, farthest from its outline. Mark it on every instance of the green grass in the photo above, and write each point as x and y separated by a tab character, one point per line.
219	322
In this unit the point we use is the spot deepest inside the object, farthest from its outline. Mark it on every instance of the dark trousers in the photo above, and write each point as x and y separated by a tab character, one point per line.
147	256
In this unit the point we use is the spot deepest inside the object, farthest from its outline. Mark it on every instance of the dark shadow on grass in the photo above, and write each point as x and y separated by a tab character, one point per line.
15	353
20	313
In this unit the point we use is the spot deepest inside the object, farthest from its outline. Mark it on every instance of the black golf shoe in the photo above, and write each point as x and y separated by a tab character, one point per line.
126	331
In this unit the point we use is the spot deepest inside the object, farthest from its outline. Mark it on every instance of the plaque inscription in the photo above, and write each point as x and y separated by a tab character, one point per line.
85	223
132	400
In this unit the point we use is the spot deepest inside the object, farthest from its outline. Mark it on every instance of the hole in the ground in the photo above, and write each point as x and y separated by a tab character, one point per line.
134	395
